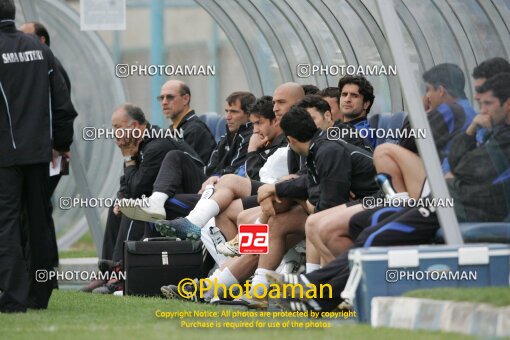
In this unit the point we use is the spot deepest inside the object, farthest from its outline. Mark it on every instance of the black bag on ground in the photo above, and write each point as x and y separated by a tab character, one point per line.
162	261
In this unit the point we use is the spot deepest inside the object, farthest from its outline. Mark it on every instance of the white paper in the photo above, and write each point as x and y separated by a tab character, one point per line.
56	170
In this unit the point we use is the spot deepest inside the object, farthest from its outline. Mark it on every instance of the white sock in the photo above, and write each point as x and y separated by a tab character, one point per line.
310	267
203	212
226	278
158	198
259	279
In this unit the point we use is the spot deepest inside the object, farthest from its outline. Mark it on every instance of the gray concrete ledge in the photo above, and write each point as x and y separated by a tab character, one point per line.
447	316
82	265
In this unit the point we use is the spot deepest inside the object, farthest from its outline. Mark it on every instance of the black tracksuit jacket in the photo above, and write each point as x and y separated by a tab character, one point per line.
36	112
230	153
197	135
334	168
481	186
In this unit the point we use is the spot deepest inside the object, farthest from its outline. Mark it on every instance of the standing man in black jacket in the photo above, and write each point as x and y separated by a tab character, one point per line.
41	32
36	115
175	101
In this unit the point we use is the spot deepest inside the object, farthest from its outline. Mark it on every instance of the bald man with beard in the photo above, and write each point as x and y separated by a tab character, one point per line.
175	98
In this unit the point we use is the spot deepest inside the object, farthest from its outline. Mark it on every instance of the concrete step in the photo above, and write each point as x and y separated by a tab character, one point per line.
460	317
76	271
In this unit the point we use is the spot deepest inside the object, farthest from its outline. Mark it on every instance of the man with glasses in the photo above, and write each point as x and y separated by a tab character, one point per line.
175	101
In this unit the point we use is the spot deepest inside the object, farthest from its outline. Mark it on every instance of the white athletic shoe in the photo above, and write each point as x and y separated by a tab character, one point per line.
230	248
136	211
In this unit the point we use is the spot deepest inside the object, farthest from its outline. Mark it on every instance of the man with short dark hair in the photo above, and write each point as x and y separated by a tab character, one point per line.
37	116
480	185
356	99
319	109
310	89
230	153
449	114
332	96
175	101
488	69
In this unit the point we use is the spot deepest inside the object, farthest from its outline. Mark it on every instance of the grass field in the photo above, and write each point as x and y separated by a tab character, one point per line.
76	315
497	296
84	247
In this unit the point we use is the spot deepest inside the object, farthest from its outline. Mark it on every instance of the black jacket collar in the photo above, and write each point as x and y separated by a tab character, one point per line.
186	118
279	140
7	26
319	134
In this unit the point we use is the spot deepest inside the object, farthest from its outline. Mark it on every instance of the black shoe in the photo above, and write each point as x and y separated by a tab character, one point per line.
93	285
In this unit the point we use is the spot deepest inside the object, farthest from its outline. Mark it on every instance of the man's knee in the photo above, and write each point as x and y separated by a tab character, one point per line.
174	156
228	181
384	150
311	225
280	226
245	217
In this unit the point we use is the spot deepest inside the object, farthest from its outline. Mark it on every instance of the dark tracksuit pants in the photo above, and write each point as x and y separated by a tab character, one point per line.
179	173
53	247
53	237
379	227
24	187
119	229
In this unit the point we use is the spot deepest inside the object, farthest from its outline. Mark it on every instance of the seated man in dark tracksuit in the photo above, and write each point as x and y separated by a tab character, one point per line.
143	158
480	188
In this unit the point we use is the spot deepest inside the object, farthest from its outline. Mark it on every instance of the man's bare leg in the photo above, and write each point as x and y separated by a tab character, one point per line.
226	220
328	230
229	188
405	168
281	225
313	257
